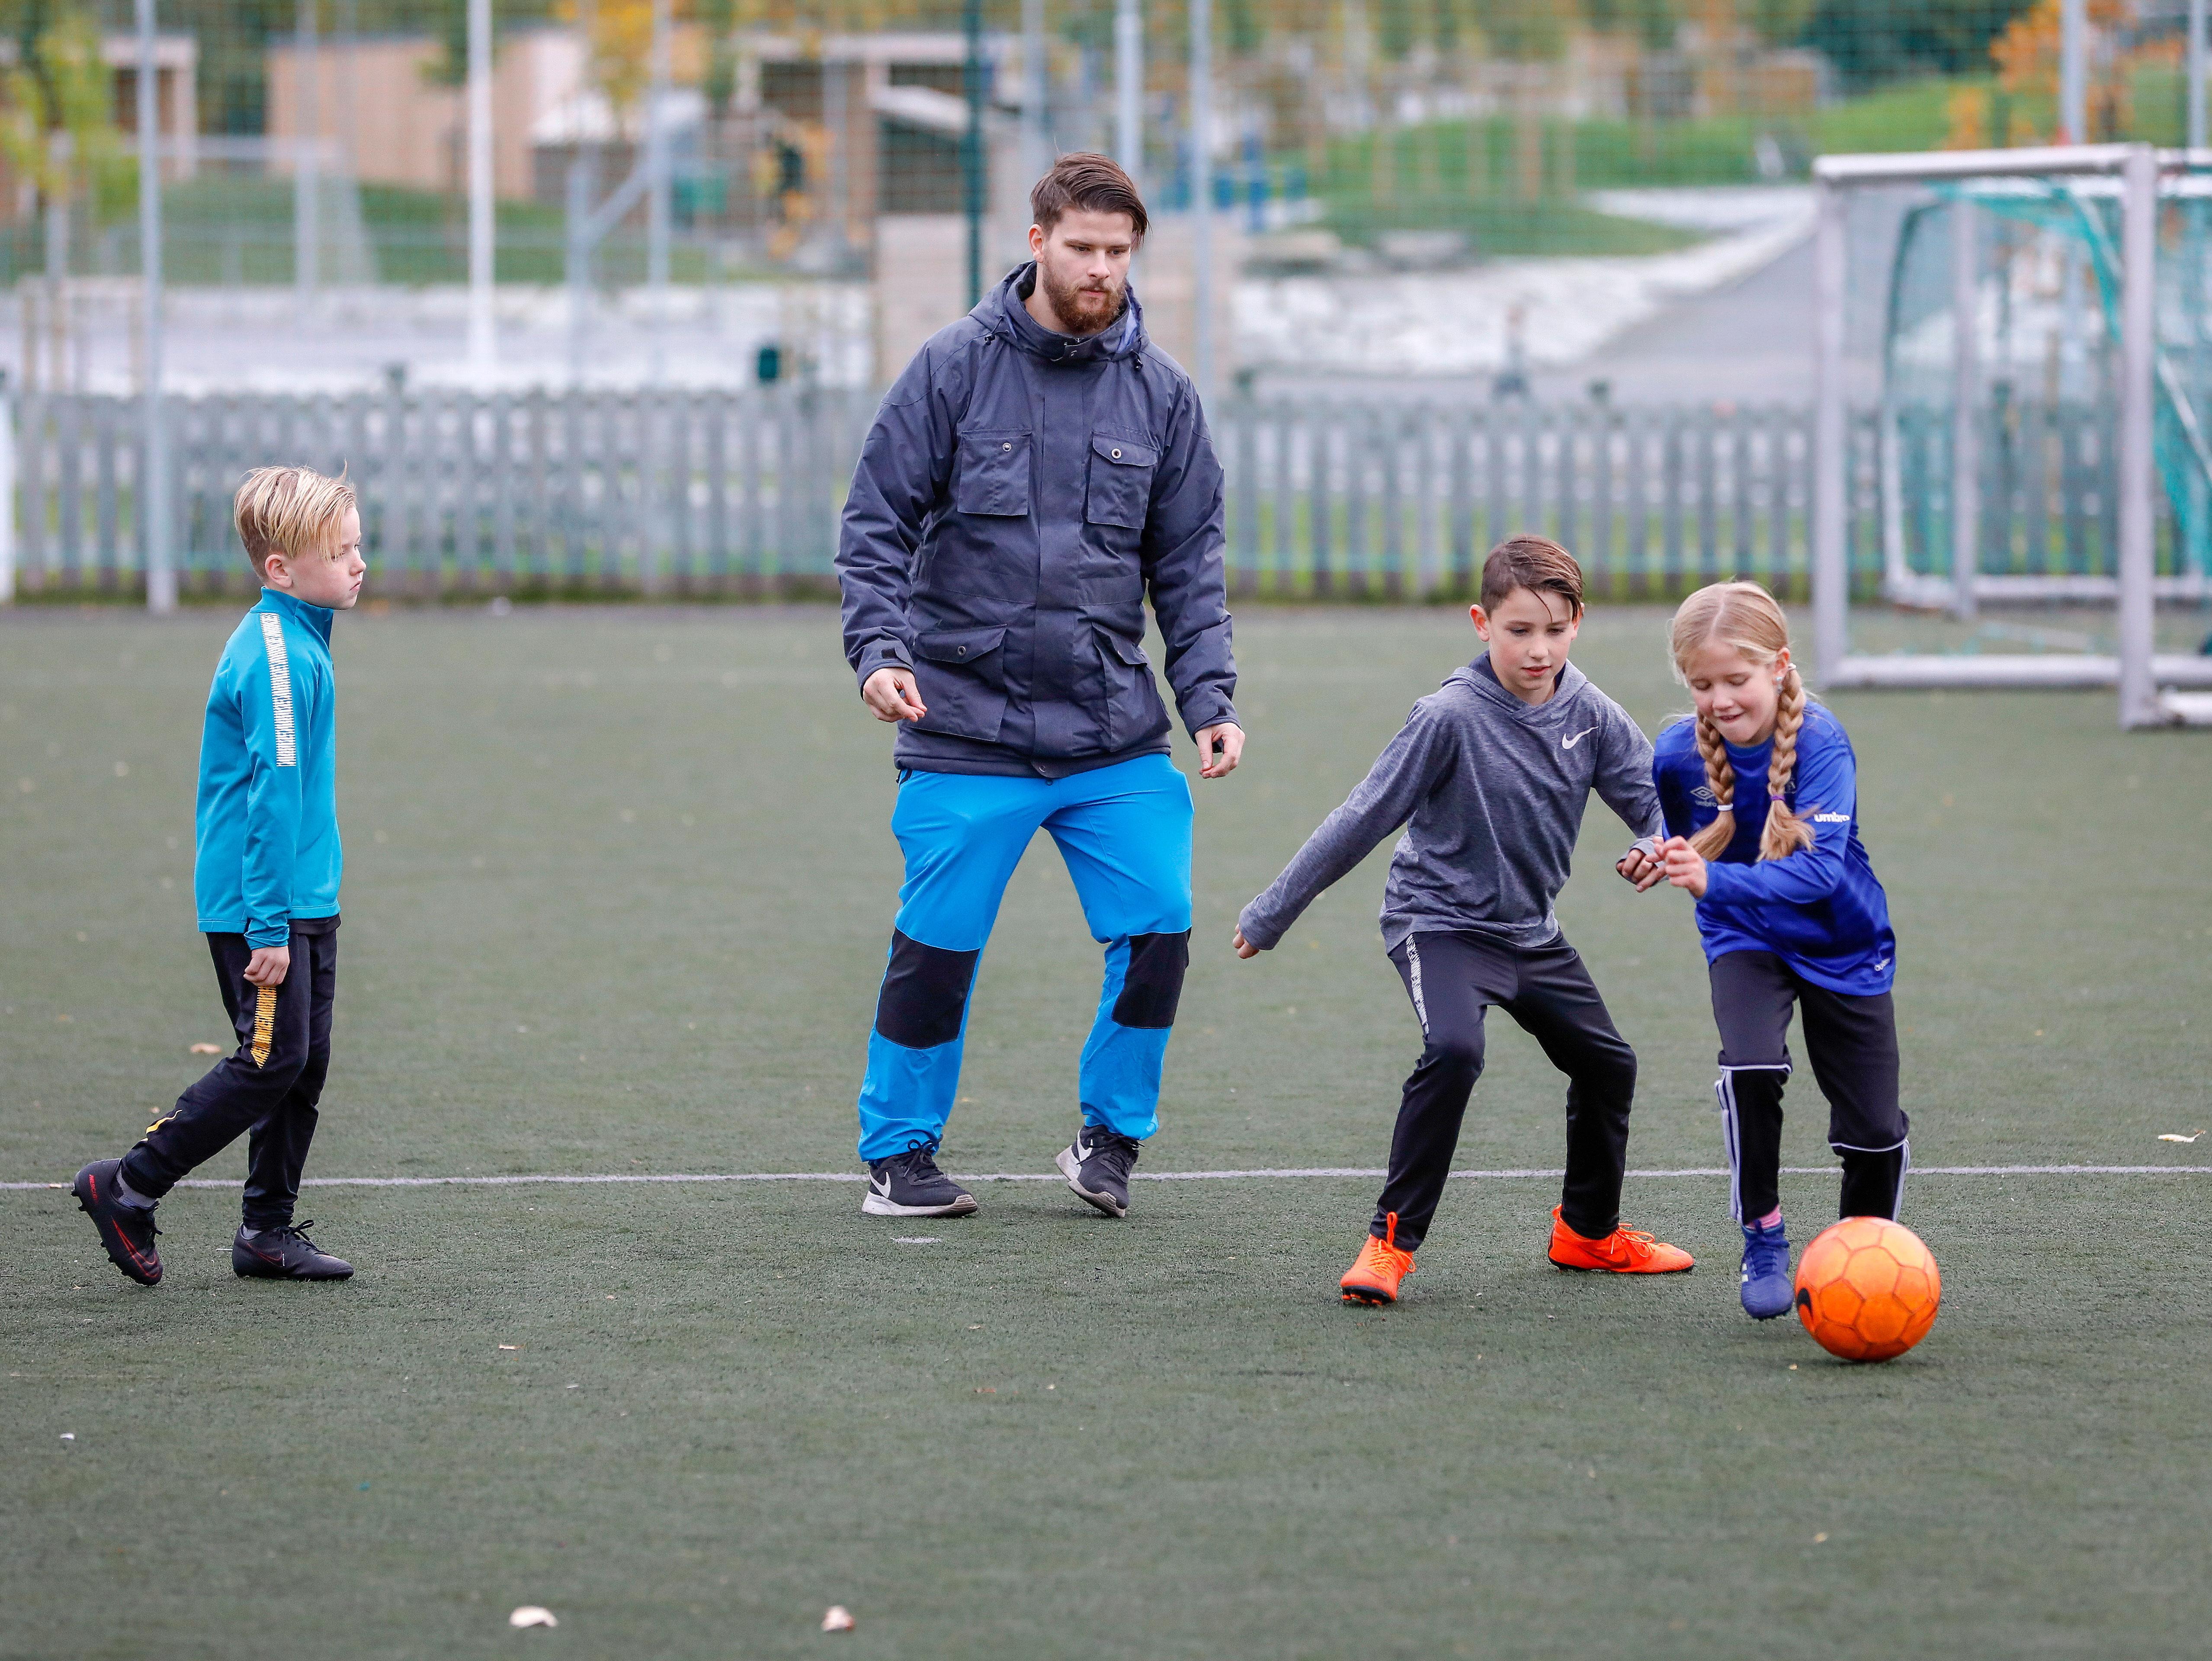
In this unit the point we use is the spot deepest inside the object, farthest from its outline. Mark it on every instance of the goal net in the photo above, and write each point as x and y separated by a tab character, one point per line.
2013	479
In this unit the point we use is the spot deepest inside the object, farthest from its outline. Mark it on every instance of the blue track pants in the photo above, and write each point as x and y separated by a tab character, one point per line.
1125	833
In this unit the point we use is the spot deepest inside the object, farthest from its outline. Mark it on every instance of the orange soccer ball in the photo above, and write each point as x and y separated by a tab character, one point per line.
1867	1289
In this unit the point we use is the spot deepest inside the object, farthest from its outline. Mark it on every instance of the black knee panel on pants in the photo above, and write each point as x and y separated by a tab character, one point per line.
1153	986
925	994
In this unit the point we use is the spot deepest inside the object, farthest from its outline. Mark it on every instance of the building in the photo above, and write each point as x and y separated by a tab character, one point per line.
385	115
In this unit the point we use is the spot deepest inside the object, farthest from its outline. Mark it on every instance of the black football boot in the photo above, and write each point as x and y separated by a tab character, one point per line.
127	1231
284	1254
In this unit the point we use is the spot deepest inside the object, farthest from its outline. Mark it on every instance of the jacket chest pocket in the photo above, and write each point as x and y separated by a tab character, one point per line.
1120	488
993	474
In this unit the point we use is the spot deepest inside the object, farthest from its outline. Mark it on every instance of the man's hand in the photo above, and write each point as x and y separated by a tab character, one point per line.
890	694
1220	748
1244	947
269	965
1685	869
1641	868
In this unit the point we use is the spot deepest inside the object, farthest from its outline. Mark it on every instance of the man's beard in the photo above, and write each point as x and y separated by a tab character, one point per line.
1085	311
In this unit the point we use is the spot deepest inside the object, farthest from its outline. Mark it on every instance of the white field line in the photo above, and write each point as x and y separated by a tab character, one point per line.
1289	1173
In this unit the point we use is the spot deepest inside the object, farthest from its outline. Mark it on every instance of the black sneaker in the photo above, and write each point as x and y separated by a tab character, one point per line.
1097	1165
127	1231
909	1184
284	1254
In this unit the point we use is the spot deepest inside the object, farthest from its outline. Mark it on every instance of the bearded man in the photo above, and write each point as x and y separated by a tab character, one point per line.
1037	472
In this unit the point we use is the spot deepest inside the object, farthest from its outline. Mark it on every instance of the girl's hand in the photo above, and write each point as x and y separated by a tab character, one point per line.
1685	869
1640	867
1244	947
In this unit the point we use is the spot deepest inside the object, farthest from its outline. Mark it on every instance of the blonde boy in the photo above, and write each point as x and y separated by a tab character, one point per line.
266	879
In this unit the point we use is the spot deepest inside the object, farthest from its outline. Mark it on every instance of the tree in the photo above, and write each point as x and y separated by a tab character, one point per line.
1777	22
61	90
1524	31
2027	59
1871	41
1651	23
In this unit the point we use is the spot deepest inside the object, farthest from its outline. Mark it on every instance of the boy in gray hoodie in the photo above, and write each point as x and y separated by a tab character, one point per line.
1490	778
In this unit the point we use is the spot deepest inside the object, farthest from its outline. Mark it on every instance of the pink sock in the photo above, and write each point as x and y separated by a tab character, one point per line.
1771	1218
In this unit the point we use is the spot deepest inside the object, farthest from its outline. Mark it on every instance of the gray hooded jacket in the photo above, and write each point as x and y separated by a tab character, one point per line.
1019	497
1494	790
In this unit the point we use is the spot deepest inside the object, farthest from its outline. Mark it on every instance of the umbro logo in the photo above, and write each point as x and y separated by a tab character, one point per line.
1831	818
1569	744
1704	794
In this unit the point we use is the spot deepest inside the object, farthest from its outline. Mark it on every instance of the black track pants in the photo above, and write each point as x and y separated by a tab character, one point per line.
269	1085
1452	979
1853	1045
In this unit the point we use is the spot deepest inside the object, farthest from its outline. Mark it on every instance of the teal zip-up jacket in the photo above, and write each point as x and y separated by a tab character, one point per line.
266	834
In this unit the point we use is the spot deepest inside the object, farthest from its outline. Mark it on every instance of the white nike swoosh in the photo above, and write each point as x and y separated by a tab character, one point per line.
1569	744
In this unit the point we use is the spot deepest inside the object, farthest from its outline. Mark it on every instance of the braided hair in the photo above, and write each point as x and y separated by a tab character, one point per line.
1744	616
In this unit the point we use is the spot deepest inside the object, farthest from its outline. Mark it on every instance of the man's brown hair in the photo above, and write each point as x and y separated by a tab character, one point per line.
1534	563
293	511
1084	179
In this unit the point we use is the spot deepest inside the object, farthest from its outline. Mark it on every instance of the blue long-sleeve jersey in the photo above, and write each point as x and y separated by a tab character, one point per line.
1822	910
265	837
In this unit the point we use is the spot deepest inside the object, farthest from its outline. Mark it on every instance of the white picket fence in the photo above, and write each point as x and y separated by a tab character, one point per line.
684	493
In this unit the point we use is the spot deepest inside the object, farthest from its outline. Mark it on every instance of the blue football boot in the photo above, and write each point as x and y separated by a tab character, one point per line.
1767	1288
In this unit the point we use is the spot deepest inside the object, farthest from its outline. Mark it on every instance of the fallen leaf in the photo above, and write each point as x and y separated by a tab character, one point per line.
510	1346
1820	1539
837	1618
2169	1137
531	1615
69	1436
206	1049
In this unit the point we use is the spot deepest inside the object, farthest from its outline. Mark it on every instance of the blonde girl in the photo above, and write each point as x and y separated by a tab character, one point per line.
1760	793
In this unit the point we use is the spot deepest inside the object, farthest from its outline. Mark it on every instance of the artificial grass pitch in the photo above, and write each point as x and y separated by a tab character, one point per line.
617	892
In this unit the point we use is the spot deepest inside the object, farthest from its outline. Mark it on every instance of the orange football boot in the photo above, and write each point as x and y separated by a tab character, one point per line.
1624	1251
1374	1273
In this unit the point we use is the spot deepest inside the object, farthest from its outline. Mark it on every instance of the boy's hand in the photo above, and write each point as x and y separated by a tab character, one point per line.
1641	868
889	695
1244	947
1229	739
1685	869
269	965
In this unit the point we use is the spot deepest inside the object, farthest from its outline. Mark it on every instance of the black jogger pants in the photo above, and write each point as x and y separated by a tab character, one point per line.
1452	979
1853	1045
270	1084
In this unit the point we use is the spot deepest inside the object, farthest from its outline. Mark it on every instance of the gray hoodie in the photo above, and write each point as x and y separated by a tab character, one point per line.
1494	790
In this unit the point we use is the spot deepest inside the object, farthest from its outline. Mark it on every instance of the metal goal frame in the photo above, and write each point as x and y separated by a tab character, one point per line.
2137	671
